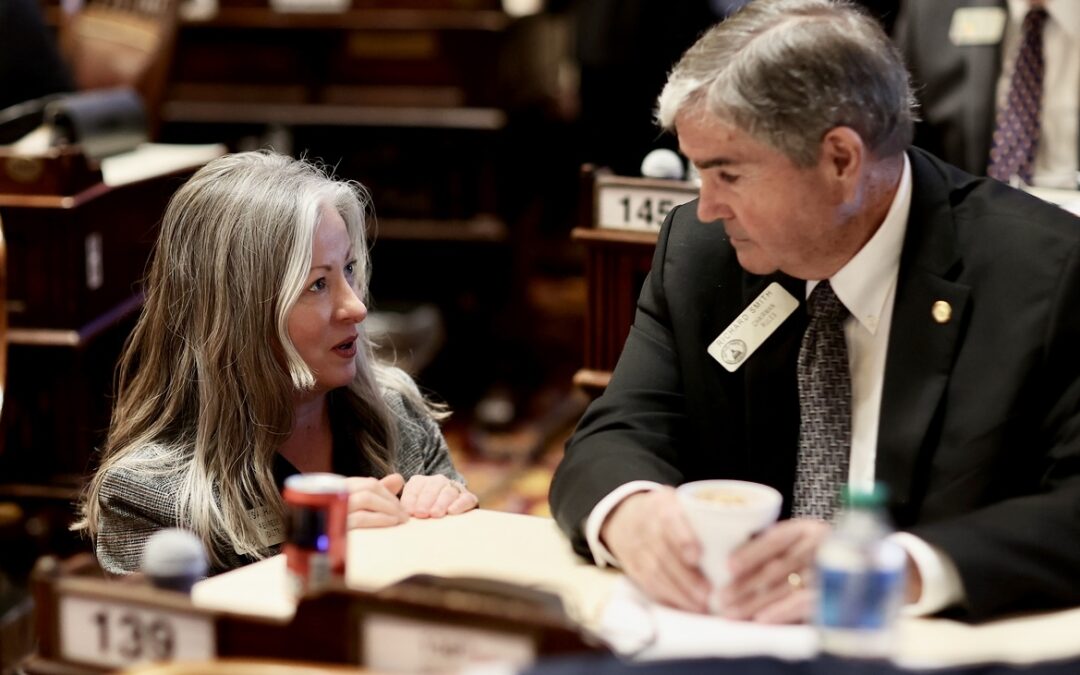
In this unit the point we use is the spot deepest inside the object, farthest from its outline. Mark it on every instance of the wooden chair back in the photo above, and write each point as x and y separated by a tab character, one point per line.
117	43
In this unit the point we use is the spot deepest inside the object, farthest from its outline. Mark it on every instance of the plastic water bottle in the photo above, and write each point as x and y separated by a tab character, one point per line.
861	577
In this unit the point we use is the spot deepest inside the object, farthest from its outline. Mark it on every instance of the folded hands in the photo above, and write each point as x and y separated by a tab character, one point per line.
382	502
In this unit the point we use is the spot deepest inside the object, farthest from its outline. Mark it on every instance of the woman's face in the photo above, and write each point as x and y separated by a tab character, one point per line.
322	323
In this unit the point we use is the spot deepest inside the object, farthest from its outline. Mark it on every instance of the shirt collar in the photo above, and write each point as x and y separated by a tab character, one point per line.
1066	13
864	283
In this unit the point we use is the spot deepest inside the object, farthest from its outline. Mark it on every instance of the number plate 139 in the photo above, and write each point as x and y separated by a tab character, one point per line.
116	634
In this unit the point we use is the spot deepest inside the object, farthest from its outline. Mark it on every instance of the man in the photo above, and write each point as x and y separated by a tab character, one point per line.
961	390
964	56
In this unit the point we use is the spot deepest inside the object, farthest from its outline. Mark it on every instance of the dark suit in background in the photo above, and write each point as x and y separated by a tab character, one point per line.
30	65
979	436
956	84
624	50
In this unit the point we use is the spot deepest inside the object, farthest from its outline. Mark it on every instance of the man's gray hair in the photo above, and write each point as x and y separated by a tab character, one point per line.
788	71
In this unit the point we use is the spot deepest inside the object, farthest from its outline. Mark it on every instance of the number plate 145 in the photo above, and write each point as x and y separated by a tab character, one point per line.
112	634
637	208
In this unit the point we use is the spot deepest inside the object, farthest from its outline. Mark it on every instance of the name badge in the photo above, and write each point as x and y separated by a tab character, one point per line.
271	529
753	327
977	26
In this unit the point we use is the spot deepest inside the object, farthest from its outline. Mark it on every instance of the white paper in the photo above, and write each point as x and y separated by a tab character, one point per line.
156	159
644	630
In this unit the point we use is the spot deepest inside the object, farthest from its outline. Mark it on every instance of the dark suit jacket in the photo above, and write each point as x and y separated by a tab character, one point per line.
956	85
979	436
30	65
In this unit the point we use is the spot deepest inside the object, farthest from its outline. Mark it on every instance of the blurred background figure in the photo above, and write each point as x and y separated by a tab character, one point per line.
624	49
30	64
988	72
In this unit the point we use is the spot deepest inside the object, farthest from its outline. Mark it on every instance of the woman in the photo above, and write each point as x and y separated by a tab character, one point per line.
249	363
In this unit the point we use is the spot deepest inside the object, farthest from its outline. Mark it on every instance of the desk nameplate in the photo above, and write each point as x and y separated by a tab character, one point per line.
639	204
115	634
399	644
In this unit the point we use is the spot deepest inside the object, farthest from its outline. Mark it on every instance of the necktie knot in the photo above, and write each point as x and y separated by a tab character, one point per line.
823	305
1034	20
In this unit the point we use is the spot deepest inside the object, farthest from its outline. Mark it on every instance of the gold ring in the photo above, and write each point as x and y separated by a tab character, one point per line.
795	580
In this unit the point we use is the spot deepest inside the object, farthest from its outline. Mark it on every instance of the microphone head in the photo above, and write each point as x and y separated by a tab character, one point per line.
174	559
662	163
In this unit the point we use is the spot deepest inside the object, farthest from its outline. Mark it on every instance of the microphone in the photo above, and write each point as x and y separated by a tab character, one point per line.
174	560
662	163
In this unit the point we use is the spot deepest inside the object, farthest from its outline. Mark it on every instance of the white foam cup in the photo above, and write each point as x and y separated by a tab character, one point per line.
724	514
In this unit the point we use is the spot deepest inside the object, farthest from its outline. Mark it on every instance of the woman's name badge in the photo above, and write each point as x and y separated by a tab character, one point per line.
753	326
271	529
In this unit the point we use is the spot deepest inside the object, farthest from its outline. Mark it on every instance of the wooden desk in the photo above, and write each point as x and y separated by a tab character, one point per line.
531	551
72	296
618	228
86	624
490	544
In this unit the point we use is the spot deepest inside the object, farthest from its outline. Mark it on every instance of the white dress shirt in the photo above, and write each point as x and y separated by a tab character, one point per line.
1056	162
867	287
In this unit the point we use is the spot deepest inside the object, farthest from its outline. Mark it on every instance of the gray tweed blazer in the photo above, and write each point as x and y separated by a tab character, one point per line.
136	503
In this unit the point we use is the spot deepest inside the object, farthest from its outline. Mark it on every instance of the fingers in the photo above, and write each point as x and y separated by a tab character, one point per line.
435	497
672	581
362	518
793	608
393	483
371	504
761	587
466	501
649	536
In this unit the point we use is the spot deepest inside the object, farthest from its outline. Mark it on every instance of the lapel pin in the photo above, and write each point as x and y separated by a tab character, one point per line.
941	311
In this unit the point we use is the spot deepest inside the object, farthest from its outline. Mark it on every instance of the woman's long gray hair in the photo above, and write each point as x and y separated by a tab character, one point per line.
209	375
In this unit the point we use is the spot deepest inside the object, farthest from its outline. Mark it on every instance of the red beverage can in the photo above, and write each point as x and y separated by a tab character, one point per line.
318	505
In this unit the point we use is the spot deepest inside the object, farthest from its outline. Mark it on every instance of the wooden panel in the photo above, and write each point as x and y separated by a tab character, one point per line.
617	260
73	260
400	48
73	270
473	610
616	264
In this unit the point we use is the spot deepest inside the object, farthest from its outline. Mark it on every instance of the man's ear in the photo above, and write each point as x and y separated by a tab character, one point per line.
843	155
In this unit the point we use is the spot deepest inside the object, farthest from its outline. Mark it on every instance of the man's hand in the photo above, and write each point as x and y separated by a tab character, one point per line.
652	540
771	574
435	497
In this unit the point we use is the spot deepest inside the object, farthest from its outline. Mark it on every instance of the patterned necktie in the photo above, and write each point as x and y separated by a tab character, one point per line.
824	406
1016	132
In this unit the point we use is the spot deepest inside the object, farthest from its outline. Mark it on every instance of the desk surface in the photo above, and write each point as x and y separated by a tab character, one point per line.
531	551
509	547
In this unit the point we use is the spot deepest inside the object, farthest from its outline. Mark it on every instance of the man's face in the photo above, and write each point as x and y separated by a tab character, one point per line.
777	215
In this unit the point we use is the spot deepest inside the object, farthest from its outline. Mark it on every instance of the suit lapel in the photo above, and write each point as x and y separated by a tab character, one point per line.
921	348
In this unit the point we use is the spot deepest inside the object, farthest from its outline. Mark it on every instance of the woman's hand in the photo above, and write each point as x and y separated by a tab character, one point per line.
373	502
435	497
